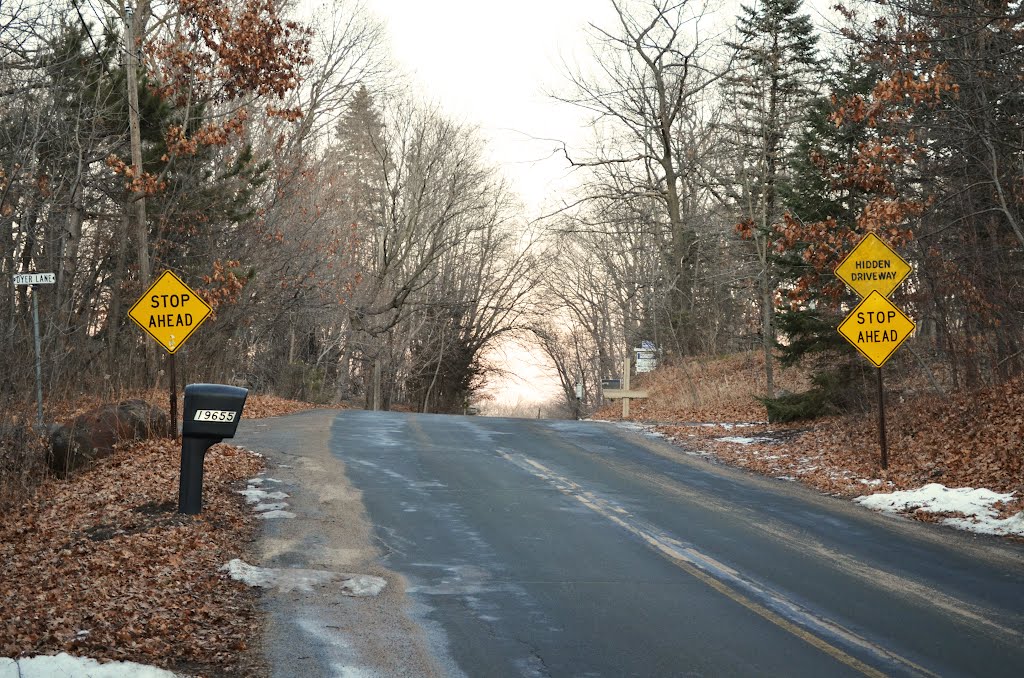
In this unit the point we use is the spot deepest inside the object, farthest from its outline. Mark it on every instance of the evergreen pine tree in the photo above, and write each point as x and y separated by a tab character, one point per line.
811	195
776	74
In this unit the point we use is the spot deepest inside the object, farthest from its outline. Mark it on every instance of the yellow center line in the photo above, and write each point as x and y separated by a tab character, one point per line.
688	560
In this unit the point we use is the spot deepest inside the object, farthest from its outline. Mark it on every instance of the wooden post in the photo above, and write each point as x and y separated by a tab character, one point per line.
625	385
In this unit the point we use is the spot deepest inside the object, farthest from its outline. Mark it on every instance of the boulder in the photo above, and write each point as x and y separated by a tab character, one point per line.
92	435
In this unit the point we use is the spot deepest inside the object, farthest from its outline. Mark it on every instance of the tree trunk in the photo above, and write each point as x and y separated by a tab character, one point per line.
114	314
135	26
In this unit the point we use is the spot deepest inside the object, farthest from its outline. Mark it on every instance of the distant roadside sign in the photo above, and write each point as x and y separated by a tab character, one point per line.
35	278
646	359
873	266
876	328
169	311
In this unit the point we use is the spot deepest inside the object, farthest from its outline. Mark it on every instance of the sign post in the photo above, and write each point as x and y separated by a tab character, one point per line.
170	311
619	388
34	280
876	327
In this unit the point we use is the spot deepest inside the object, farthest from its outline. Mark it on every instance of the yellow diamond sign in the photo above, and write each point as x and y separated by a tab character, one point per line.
873	266
876	328
169	311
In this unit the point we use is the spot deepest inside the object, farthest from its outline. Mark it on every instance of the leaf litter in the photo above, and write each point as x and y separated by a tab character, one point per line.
961	442
103	566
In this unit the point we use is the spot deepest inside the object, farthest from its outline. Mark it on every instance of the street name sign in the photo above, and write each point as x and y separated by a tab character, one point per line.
873	266
35	278
169	311
876	328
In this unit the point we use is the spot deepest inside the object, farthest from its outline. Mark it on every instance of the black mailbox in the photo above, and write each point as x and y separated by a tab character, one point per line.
212	412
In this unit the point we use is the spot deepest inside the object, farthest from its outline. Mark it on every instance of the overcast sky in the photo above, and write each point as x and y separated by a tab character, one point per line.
489	63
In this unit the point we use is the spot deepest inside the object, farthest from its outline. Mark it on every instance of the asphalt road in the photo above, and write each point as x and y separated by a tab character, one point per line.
545	548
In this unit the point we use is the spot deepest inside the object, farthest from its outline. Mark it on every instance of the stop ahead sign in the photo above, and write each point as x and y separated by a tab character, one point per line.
169	311
876	328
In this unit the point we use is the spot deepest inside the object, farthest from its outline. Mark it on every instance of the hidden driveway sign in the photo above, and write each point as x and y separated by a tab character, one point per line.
873	266
876	328
169	311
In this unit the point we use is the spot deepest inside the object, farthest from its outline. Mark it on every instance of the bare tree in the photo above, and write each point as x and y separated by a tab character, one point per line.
651	79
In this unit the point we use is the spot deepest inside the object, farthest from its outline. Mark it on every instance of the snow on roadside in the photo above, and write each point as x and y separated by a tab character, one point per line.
63	664
254	494
289	579
742	440
976	505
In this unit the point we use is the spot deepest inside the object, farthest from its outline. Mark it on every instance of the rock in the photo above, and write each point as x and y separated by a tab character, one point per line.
92	435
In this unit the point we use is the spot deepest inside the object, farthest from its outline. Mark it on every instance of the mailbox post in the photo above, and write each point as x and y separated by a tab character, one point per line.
211	414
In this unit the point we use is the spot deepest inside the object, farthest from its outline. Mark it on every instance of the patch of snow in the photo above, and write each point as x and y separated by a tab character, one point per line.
239	570
976	505
363	585
871	483
289	579
63	664
274	506
744	441
254	495
268	515
728	425
789	478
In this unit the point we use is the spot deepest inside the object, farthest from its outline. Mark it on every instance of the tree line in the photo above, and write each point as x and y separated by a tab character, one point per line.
356	245
734	166
352	240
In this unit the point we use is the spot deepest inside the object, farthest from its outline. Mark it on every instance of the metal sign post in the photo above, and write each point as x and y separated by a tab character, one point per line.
881	423
34	280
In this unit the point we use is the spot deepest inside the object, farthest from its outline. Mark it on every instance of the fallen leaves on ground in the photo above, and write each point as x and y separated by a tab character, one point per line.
961	440
102	565
700	389
967	439
257	405
261	405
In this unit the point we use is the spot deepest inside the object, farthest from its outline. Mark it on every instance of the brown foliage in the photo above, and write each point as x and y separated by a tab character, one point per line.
706	390
260	406
104	566
965	439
